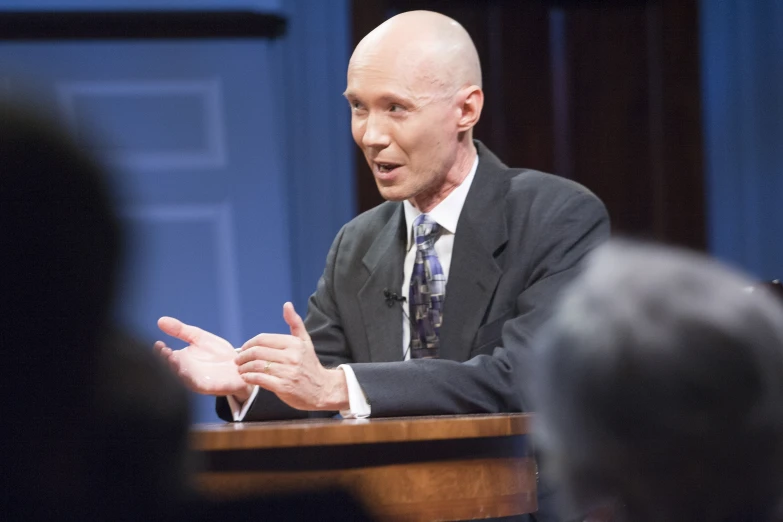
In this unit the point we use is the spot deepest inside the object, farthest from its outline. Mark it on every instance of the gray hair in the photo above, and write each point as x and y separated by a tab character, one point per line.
659	386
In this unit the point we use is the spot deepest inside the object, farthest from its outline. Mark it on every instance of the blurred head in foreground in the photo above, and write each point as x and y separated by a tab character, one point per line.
660	390
93	425
60	239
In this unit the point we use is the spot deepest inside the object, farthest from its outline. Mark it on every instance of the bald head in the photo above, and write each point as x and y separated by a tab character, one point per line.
414	88
428	45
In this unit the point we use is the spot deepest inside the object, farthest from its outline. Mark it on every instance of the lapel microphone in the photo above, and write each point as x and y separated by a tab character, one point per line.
392	297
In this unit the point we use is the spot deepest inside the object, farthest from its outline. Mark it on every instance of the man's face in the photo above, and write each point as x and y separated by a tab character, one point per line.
405	124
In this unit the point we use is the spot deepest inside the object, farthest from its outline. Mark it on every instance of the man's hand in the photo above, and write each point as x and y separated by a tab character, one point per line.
206	365
288	366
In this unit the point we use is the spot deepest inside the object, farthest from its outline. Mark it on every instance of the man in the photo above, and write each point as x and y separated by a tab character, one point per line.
660	390
499	243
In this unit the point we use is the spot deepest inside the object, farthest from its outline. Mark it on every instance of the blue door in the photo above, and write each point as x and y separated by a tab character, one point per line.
231	158
189	132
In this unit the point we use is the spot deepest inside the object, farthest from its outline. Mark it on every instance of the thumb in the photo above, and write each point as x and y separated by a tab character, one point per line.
180	330
295	322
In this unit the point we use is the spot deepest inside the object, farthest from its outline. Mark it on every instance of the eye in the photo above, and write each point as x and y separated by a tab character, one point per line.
396	107
356	106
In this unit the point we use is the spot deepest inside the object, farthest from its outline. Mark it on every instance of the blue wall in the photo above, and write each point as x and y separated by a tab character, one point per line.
317	123
742	74
233	158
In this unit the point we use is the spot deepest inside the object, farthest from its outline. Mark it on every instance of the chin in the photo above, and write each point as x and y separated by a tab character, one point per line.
392	193
392	196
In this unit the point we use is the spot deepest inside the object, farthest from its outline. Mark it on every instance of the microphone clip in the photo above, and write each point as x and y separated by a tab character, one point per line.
392	297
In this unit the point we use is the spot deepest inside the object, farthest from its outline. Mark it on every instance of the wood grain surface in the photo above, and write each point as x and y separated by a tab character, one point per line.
452	490
413	469
321	432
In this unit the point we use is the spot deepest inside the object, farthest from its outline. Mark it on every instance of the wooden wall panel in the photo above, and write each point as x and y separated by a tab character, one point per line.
602	137
681	209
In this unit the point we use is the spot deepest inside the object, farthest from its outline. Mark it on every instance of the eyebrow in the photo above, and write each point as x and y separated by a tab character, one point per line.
394	98
389	98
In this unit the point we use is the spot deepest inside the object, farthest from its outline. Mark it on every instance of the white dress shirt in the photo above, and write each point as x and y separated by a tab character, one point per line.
446	214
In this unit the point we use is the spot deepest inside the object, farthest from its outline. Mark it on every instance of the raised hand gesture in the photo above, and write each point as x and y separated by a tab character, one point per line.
207	365
288	366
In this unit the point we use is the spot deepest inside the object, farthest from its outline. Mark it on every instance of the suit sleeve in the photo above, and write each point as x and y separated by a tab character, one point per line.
494	383
323	325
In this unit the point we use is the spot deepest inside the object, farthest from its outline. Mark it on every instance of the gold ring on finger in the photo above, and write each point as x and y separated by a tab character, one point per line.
267	366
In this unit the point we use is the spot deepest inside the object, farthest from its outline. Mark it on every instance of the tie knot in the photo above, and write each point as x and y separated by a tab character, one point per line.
426	231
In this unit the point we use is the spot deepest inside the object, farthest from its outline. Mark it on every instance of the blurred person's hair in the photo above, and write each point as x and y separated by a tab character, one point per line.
659	389
94	425
60	232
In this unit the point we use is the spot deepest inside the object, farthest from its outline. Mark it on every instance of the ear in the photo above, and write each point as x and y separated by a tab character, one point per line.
472	101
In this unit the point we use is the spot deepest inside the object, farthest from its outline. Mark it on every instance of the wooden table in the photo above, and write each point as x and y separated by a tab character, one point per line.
413	468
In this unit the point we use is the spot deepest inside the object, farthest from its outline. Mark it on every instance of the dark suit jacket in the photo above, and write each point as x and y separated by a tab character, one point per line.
520	238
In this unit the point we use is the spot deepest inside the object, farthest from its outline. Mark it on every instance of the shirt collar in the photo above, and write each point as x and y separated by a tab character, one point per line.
446	213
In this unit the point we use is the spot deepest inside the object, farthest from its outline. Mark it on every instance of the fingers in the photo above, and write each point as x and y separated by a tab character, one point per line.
295	322
176	328
159	346
264	353
266	381
281	341
162	350
272	368
278	341
170	356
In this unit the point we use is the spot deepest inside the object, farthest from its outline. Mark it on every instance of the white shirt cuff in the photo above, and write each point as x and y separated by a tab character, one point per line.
357	402
240	410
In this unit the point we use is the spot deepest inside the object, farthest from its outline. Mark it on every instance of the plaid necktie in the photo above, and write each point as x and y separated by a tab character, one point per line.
427	291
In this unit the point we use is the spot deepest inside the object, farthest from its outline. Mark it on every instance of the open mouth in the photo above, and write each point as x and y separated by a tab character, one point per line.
386	168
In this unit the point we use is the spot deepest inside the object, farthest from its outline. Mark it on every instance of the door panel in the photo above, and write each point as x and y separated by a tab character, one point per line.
190	132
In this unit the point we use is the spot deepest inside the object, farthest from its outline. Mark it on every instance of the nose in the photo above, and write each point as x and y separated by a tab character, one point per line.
375	132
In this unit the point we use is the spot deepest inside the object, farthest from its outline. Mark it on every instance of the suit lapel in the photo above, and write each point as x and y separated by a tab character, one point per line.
384	261
474	274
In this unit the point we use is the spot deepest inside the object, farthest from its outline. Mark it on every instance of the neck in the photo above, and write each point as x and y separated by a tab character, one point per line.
430	199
